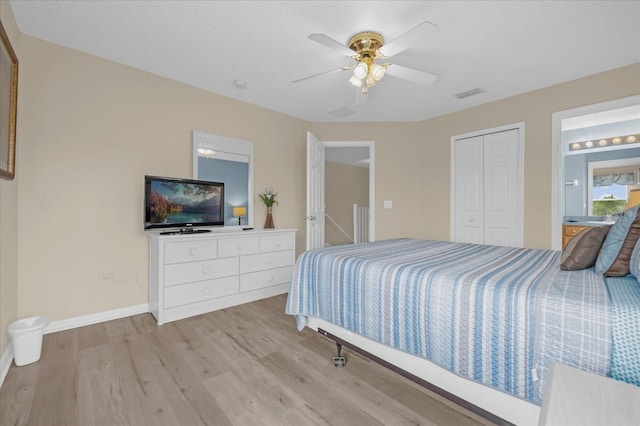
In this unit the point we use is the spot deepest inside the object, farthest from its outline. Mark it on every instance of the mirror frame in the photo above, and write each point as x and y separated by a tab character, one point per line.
228	145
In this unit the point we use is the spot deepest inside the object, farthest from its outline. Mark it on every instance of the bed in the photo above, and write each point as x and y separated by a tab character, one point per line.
483	323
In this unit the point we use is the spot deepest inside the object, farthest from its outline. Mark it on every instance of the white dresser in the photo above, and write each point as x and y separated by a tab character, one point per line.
198	273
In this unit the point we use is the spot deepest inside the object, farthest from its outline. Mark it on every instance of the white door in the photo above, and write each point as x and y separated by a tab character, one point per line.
487	175
469	200
315	192
501	176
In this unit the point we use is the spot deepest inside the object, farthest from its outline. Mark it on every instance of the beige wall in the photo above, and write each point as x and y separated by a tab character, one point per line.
344	185
90	129
9	214
413	159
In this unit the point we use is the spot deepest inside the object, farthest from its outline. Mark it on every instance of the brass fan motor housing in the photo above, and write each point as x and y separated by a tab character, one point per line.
366	44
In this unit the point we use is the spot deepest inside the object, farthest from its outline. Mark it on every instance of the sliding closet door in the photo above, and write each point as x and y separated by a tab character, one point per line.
487	174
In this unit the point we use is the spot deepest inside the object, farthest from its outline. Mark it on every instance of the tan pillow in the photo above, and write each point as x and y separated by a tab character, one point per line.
582	250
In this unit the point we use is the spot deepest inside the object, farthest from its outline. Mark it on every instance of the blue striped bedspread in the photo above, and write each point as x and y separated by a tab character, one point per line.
495	315
625	316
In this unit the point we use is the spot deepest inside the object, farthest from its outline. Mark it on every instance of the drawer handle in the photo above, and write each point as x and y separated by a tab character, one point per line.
269	261
270	278
278	243
193	251
205	271
240	247
205	291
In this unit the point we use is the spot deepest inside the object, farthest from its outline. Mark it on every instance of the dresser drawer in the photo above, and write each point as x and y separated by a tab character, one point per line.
276	242
238	246
181	273
263	279
570	230
260	262
196	292
189	251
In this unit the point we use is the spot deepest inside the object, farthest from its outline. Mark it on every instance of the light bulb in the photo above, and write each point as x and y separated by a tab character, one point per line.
631	139
588	144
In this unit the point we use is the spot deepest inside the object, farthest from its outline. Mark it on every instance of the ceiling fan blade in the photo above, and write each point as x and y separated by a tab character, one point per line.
320	73
327	41
406	40
419	77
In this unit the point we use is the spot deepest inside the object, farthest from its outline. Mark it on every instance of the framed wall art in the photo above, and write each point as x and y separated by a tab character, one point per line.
8	106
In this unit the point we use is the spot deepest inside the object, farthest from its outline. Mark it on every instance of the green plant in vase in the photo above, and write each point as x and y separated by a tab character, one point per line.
269	199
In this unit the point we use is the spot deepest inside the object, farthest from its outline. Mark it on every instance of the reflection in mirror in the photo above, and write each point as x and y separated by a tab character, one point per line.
609	183
222	159
597	176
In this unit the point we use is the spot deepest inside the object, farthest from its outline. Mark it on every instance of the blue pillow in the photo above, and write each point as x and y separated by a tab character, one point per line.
634	263
613	259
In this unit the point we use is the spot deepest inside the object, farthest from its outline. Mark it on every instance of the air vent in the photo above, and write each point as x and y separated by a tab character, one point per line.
468	93
342	112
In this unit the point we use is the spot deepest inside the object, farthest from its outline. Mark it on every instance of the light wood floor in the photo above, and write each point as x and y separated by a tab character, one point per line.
245	365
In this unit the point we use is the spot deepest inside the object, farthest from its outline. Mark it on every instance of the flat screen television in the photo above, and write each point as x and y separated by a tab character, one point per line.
182	203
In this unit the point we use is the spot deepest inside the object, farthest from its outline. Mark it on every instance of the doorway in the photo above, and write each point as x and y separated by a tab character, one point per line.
564	185
343	154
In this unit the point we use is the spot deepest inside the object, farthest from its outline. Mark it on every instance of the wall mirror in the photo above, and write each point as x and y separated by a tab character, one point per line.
601	161
220	158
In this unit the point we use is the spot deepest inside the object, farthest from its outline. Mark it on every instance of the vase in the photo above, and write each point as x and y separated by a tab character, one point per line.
268	223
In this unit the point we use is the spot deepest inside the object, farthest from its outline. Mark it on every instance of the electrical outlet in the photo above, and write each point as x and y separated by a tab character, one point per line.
388	204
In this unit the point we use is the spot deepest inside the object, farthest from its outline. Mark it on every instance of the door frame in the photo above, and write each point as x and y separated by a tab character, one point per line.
559	151
372	176
520	197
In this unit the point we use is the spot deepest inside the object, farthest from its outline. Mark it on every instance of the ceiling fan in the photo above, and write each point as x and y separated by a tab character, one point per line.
368	46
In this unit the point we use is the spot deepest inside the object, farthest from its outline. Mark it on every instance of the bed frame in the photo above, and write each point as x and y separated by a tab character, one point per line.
494	405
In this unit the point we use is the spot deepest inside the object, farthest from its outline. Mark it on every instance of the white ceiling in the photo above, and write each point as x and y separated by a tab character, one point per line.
504	47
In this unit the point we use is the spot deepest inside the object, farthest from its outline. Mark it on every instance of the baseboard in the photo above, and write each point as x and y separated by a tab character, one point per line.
68	324
5	362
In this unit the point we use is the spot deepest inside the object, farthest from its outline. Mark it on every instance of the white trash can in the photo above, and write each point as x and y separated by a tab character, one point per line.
26	335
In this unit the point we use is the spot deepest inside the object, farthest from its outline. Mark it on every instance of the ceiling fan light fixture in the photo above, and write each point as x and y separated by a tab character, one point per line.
377	71
370	80
355	81
361	70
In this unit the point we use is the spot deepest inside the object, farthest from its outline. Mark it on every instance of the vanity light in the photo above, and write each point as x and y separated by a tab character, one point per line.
603	143
206	153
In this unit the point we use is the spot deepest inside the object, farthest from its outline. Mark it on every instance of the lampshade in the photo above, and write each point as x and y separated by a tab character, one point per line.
239	211
360	71
377	71
633	196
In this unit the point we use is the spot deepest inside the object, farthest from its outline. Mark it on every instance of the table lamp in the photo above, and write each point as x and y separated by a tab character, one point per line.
239	212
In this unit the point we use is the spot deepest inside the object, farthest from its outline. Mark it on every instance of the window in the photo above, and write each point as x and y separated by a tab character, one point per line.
608	185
